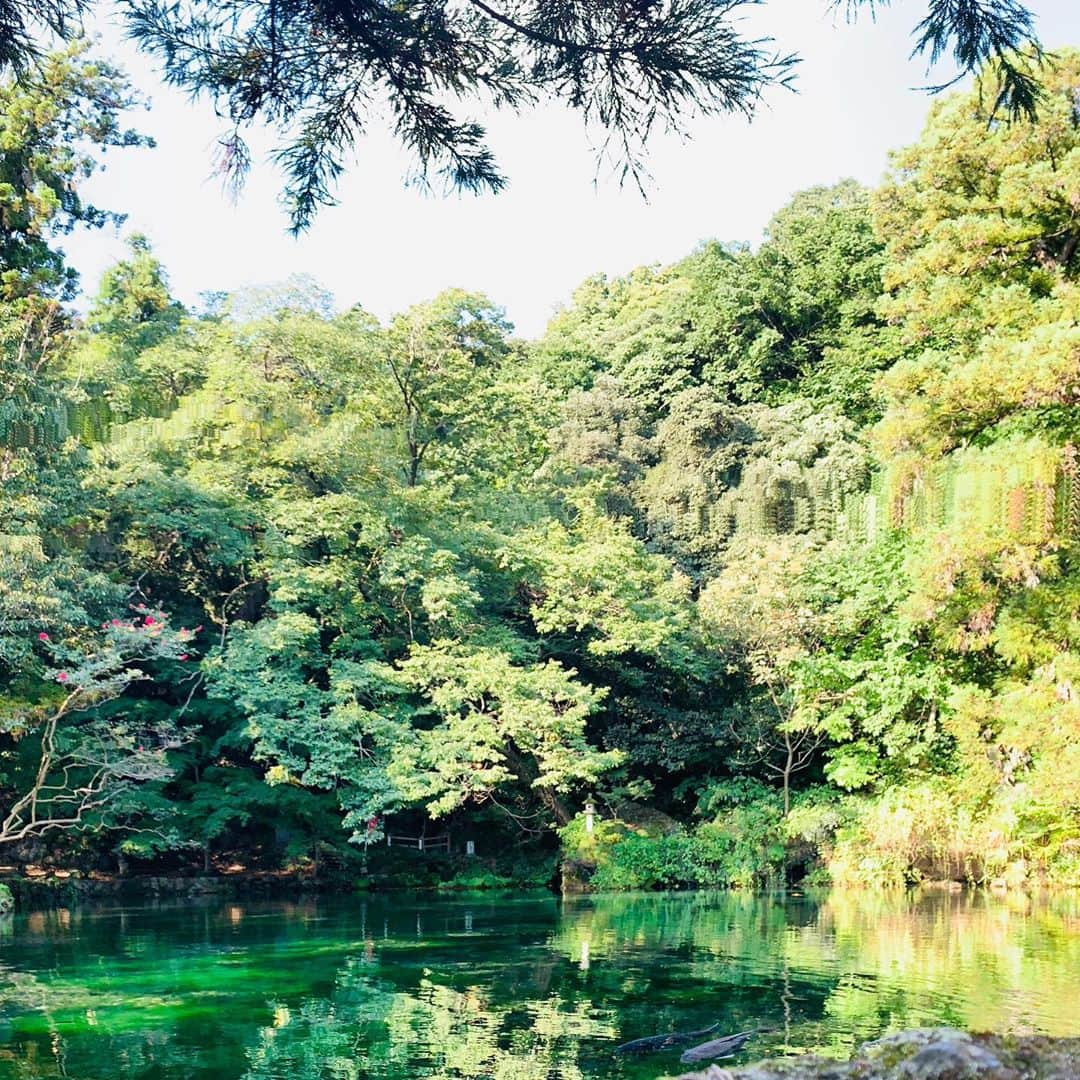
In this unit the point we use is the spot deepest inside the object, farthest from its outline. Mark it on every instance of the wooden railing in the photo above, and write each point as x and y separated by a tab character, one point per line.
421	843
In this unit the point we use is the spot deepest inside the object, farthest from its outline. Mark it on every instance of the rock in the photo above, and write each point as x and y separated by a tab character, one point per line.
575	876
956	1058
925	1054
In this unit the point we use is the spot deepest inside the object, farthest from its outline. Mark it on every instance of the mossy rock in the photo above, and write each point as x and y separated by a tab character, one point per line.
925	1054
7	901
646	820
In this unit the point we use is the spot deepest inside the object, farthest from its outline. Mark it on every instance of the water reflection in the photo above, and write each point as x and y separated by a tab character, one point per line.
516	989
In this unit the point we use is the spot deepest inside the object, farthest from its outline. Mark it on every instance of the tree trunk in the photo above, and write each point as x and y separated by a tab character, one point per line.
558	808
789	763
414	463
526	770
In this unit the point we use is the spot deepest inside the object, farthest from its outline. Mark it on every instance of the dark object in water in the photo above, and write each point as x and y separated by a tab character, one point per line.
652	1043
725	1047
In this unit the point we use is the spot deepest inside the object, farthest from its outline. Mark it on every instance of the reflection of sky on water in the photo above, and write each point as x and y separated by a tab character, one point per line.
516	989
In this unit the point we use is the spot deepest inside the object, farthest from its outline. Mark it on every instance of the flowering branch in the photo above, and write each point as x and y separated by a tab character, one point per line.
85	762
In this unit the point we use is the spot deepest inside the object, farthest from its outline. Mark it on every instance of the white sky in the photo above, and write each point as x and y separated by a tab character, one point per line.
387	246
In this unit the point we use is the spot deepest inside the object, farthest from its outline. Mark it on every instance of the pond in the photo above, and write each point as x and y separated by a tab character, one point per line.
516	988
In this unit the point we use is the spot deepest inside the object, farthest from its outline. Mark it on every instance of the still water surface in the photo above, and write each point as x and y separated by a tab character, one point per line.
512	988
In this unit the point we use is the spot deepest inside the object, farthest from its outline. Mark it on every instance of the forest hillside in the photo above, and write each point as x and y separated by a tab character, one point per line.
770	555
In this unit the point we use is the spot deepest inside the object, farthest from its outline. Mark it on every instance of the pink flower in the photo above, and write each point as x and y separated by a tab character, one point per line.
197	629
62	676
149	620
43	636
182	656
116	622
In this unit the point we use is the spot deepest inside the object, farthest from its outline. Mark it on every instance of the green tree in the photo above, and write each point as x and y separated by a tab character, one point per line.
982	237
438	356
133	359
497	721
798	314
54	121
754	608
797	317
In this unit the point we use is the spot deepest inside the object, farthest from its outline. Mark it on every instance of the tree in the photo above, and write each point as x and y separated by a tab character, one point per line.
725	472
797	315
603	436
873	683
46	583
319	72
753	605
795	318
21	23
497	722
134	294
83	764
53	119
654	556
132	360
438	355
982	228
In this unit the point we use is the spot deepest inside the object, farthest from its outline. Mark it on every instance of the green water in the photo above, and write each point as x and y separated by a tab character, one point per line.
512	988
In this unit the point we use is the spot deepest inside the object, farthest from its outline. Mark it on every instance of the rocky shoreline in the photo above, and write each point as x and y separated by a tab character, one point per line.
63	888
924	1054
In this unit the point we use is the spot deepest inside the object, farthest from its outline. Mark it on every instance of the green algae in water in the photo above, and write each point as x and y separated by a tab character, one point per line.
516	989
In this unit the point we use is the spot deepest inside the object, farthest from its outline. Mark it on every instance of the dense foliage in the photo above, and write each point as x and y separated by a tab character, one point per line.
771	553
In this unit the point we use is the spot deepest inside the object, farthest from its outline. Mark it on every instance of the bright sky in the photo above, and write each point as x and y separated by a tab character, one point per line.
387	246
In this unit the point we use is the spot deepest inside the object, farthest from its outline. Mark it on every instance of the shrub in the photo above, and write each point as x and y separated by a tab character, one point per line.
648	862
743	846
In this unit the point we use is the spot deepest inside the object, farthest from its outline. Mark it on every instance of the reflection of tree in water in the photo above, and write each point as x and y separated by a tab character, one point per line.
707	922
826	976
367	1030
515	990
1005	964
830	974
165	992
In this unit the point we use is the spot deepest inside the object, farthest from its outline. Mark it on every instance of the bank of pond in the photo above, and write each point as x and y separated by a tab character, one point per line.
515	986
